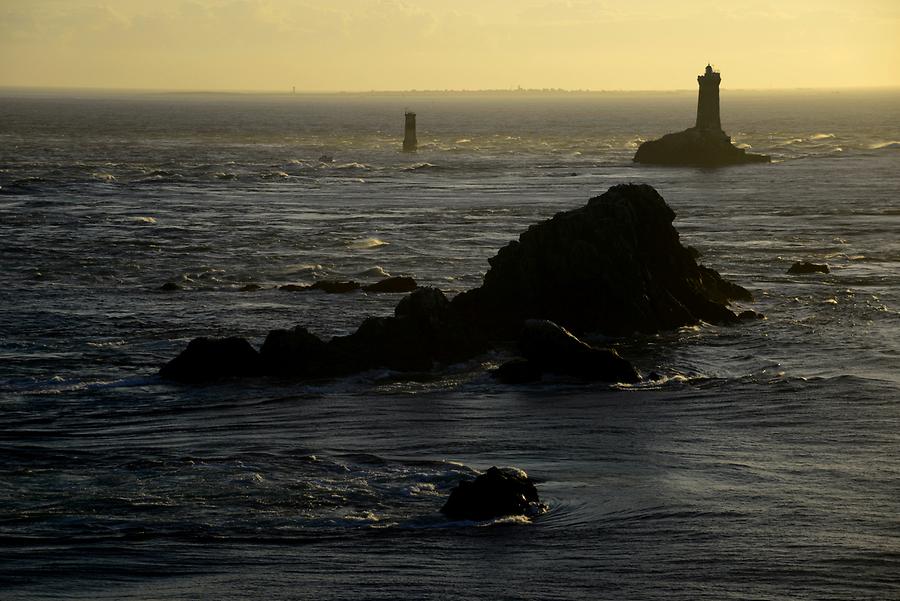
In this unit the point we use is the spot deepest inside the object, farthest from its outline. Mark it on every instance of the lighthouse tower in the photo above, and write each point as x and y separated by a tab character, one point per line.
409	138
708	101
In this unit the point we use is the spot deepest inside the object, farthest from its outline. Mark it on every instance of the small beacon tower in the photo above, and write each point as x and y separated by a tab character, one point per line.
410	143
708	101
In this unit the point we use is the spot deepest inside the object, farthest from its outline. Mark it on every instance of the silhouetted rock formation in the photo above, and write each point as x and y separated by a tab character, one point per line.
550	348
802	267
494	494
705	144
614	266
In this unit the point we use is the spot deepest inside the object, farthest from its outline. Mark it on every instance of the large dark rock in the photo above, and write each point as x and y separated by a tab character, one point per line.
554	349
615	266
804	267
696	147
208	359
495	493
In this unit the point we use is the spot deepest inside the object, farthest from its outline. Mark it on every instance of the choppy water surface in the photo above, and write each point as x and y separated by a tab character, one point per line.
764	465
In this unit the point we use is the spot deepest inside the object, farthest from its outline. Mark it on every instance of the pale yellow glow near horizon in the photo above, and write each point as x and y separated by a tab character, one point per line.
357	45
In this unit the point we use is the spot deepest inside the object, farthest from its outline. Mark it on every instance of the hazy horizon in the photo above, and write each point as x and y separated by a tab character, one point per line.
398	92
364	45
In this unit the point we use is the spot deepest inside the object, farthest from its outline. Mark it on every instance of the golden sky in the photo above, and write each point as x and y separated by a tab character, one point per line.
329	45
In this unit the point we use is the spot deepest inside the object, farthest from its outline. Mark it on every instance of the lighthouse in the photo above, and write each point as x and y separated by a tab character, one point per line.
708	101
409	138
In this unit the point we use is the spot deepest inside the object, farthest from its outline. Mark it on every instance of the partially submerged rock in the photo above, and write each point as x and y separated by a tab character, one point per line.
499	492
328	286
393	284
207	359
170	287
804	267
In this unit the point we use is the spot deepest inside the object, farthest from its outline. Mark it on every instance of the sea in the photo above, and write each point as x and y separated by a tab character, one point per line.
760	461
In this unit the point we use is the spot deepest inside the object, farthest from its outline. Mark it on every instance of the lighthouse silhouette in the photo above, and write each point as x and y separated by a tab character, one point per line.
708	101
410	143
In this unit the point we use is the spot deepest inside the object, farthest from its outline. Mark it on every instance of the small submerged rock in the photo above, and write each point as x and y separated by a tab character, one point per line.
170	287
328	286
499	492
249	288
393	284
803	267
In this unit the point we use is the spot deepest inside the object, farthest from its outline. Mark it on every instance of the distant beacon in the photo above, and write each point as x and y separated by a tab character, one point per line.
409	138
708	100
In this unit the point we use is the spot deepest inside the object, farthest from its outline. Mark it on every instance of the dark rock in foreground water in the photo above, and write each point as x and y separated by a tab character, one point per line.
615	266
170	287
207	359
695	147
807	267
494	494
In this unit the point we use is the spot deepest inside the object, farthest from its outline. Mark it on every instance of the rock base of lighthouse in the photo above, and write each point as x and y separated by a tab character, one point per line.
696	147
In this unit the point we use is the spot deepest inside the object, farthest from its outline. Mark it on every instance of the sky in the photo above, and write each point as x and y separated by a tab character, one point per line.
358	45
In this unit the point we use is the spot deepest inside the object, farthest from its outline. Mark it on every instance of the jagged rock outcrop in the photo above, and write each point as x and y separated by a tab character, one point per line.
696	147
615	266
498	492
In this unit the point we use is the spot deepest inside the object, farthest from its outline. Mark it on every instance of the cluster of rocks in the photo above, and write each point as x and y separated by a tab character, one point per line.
613	267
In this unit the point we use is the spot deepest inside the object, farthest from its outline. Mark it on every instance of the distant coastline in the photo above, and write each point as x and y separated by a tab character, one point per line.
512	93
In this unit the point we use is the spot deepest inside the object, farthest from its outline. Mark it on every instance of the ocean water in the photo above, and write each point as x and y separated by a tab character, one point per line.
764	464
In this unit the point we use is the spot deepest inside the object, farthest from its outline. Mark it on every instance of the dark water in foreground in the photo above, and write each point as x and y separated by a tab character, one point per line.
766	464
